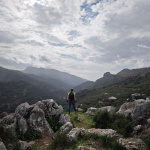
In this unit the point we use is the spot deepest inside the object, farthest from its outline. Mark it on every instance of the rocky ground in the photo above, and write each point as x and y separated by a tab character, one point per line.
35	127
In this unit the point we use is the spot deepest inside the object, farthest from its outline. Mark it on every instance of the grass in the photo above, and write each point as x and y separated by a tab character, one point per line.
86	120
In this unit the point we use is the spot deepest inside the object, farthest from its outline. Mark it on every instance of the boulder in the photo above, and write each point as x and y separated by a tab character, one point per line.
103	132
64	119
9	119
93	111
140	111
110	109
137	129
23	127
85	148
38	122
126	109
24	145
66	127
11	128
23	109
2	146
75	133
133	143
80	109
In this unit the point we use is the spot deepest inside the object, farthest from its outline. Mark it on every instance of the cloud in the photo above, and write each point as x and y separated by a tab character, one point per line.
82	37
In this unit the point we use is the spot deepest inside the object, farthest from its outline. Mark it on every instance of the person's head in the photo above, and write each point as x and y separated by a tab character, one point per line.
71	90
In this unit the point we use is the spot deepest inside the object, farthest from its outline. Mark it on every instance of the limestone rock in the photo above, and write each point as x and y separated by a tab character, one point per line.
80	109
38	122
2	146
23	109
75	133
110	109
23	125
24	145
66	127
11	128
8	119
133	143
103	132
137	129
64	119
85	148
126	109
140	111
93	111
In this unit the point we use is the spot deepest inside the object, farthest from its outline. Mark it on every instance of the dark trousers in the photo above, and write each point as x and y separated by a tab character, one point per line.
73	104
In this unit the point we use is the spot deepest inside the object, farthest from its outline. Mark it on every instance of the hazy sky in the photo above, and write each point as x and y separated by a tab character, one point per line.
82	37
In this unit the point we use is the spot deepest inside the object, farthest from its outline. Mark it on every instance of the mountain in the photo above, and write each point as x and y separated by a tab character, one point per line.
83	86
17	87
63	77
121	86
107	79
133	72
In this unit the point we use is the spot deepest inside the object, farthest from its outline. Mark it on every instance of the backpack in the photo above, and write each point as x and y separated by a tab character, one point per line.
71	96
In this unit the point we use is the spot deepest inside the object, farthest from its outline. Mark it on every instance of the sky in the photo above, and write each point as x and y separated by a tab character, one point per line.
85	38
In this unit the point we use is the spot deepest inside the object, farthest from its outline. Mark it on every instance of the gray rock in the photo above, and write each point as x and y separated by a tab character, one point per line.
133	143
103	132
23	125
66	127
11	128
2	146
137	128
38	122
126	109
110	109
80	109
75	133
148	122
93	111
64	119
9	119
24	145
23	109
140	111
85	148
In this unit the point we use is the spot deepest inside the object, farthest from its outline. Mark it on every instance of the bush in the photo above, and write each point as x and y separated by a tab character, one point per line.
53	124
29	135
60	141
102	120
146	140
118	122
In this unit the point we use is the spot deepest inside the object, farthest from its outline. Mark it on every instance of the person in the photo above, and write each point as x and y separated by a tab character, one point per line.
71	99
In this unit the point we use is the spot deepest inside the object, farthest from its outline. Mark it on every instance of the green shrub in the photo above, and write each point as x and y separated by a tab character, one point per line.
29	135
53	124
102	119
118	122
60	141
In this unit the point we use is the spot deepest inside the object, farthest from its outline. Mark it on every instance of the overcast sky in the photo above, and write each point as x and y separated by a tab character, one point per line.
82	37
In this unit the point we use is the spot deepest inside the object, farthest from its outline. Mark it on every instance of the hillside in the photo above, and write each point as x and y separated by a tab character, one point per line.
63	77
122	90
83	86
17	87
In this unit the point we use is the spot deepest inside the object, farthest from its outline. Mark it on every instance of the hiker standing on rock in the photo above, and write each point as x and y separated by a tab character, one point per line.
72	99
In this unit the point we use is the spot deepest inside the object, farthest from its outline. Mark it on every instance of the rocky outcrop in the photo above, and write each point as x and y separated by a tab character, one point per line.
103	132
93	111
140	111
38	122
75	133
34	117
133	143
66	127
85	148
126	109
2	146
